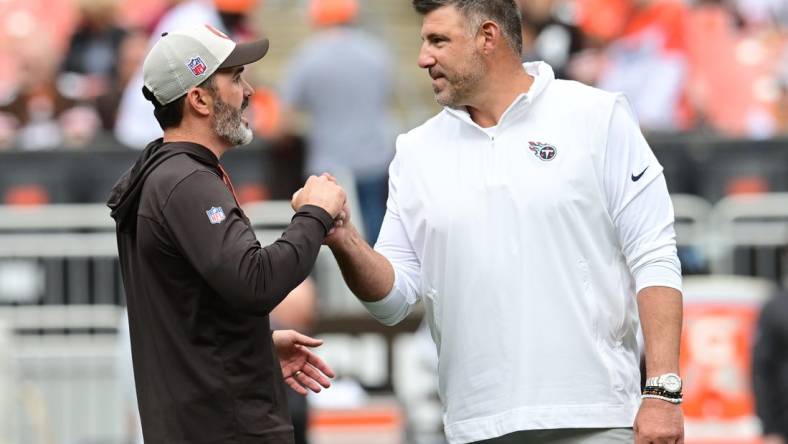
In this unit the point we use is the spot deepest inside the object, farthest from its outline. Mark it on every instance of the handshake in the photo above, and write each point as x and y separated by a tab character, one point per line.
324	192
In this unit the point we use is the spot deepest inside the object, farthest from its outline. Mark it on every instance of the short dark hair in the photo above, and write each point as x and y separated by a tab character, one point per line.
171	114
503	12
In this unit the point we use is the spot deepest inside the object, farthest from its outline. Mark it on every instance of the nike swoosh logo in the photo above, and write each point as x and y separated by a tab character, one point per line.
636	178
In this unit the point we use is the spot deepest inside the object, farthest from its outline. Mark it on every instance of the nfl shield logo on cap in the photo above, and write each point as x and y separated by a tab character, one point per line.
216	215
184	58
197	66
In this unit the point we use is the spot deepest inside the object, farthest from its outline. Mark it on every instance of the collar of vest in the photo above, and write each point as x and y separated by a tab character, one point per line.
543	75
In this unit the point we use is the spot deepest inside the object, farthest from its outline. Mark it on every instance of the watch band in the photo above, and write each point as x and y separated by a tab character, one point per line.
669	382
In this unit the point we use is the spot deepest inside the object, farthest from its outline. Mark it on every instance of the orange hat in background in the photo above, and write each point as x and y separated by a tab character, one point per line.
332	12
235	6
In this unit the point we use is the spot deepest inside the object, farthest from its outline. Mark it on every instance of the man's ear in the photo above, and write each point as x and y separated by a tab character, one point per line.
200	101
489	36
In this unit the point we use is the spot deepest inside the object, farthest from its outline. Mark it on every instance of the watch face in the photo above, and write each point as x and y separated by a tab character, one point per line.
671	383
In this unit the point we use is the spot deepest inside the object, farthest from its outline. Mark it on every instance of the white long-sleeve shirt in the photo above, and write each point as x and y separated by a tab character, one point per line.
527	242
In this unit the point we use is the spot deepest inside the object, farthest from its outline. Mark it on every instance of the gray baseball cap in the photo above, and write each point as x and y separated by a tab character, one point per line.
183	59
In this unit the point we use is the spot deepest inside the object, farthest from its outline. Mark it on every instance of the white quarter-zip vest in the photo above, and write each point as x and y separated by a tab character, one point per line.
529	298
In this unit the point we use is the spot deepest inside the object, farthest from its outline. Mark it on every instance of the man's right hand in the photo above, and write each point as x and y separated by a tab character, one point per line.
342	230
322	192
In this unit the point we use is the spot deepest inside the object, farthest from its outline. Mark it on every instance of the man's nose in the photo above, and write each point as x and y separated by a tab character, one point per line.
426	59
248	90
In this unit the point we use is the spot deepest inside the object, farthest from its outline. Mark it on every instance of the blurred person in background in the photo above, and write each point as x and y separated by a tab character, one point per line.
770	369
164	10
538	251
90	65
549	33
763	12
101	58
135	125
686	55
733	52
199	286
342	79
131	53
36	113
235	15
649	63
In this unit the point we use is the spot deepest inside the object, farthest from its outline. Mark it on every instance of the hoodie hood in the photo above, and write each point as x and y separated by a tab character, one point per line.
125	195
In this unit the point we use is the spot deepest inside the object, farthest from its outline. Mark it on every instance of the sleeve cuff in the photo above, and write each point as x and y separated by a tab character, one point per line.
317	213
391	309
658	274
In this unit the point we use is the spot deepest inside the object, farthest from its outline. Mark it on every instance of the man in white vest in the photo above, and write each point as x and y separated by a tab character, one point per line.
532	219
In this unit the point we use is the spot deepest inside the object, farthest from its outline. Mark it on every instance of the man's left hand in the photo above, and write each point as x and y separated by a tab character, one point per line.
300	367
659	422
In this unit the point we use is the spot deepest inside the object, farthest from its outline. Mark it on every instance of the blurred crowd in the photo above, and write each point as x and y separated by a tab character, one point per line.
718	66
73	67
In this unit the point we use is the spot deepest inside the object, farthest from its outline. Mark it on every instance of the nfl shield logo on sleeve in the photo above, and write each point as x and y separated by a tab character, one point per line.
197	66
216	215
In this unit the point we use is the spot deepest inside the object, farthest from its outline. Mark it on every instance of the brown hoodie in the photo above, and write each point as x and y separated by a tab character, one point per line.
199	289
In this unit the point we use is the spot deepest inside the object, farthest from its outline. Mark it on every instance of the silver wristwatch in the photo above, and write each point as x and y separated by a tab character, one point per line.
670	382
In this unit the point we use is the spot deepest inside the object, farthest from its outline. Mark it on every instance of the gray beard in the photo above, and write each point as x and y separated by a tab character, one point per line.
228	125
459	88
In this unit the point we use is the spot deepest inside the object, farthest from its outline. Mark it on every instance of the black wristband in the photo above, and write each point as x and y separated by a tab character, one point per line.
659	391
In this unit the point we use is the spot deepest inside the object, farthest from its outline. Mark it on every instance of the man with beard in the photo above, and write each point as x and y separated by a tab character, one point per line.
198	284
532	219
